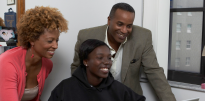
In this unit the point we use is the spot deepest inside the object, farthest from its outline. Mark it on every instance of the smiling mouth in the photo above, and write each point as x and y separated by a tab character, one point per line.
104	70
122	36
51	52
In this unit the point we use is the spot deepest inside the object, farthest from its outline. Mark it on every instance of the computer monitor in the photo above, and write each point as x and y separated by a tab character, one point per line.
8	35
193	99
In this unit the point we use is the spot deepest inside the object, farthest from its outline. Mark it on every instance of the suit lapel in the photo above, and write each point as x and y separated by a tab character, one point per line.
128	52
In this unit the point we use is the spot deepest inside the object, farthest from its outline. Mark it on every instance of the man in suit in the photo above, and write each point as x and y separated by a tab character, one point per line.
131	48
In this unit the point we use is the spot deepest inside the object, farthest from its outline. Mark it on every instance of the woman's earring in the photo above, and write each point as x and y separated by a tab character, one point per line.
86	65
32	52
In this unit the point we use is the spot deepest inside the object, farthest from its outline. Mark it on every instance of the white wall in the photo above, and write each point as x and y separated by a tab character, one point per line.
80	14
156	18
4	7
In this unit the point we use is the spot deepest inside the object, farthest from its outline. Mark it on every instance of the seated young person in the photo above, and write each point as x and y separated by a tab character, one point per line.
92	80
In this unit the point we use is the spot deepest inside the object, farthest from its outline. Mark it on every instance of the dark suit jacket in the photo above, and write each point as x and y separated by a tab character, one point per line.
138	47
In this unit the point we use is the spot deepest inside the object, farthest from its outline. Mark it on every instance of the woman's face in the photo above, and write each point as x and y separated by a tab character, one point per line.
46	45
98	62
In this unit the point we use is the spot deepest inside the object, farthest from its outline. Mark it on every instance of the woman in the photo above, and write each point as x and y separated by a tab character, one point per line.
92	80
23	69
2	22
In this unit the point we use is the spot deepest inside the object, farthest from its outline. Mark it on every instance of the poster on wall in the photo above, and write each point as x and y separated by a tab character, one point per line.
10	2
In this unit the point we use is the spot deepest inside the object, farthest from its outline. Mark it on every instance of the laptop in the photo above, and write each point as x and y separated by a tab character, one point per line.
193	99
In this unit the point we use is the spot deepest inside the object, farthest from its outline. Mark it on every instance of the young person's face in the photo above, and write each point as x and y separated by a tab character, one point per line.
120	25
98	63
46	45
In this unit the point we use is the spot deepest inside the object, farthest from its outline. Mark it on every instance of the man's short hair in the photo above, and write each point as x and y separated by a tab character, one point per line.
122	6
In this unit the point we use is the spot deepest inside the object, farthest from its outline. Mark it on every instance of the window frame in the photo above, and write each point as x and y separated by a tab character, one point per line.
188	43
189	14
189	29
179	28
177	61
188	60
187	77
178	45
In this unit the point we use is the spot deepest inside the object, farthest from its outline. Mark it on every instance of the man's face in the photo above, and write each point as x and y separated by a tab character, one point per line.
120	26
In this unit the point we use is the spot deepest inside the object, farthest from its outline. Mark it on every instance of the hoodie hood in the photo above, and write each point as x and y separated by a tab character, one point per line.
80	74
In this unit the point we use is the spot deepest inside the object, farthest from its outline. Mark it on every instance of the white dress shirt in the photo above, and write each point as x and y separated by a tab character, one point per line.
117	60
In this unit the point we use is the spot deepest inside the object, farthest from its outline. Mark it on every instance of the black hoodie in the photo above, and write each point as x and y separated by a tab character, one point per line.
77	88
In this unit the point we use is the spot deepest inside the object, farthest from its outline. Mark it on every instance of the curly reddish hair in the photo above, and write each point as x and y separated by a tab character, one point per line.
2	22
34	22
